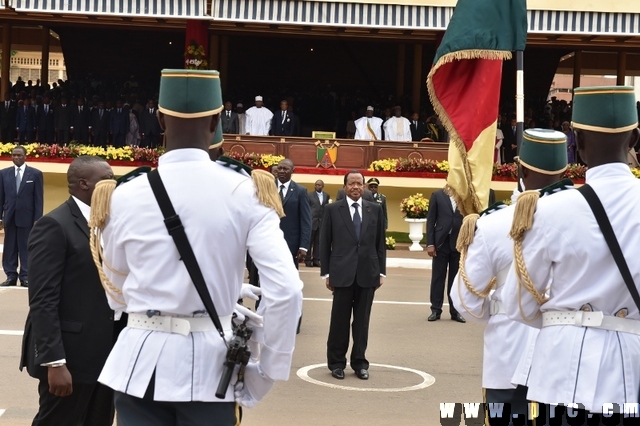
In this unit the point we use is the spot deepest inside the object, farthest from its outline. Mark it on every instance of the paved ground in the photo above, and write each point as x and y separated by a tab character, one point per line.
445	354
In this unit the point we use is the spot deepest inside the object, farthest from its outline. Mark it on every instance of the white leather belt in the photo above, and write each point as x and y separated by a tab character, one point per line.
496	307
177	325
591	319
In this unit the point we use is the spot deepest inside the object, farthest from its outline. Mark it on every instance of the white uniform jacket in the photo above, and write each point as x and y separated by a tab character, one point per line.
363	133
505	340
222	219
565	252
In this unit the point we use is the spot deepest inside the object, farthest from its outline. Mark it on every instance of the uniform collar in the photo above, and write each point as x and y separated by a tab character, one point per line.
608	171
183	154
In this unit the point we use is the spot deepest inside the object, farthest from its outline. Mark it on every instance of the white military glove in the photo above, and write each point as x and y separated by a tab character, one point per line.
253	319
249	291
255	386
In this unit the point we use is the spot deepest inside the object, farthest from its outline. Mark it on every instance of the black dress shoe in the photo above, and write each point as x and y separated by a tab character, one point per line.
362	374
9	283
433	317
316	264
24	283
307	264
458	318
338	373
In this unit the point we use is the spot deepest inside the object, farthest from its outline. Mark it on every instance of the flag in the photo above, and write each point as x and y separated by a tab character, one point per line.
464	88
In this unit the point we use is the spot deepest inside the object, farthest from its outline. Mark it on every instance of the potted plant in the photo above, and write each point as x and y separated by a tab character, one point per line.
415	208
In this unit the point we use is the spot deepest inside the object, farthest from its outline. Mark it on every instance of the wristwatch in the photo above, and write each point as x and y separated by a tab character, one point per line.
57	364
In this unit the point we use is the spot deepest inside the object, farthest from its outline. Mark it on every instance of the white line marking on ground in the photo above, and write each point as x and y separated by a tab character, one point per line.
427	379
2	412
394	262
383	302
11	332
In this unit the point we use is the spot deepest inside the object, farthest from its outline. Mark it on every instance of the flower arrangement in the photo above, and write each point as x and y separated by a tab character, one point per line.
509	170
575	171
194	57
415	207
73	150
390	242
268	160
388	165
636	172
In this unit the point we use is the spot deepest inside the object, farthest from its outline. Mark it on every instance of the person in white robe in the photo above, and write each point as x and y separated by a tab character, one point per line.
397	128
258	119
369	128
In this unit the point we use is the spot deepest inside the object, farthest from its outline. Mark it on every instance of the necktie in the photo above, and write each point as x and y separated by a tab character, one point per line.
119	110
46	109
100	113
18	180
229	114
357	220
281	192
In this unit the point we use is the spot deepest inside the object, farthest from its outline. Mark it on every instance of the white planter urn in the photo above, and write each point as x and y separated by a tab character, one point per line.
415	233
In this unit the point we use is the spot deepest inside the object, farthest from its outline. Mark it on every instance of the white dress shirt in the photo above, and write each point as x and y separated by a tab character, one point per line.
284	191
566	256
320	196
222	222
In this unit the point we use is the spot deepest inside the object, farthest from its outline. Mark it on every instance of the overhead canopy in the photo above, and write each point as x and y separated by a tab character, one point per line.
192	9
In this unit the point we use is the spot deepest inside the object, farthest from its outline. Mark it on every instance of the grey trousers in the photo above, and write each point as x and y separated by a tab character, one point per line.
132	411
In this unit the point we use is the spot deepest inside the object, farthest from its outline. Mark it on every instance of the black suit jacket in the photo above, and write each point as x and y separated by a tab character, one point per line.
229	124
62	117
81	120
296	225
149	124
368	195
8	116
44	121
100	125
345	258
69	316
119	121
317	208
282	128
23	208
442	221
418	132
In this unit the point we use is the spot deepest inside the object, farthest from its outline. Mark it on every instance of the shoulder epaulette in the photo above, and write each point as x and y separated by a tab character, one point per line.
132	175
234	165
556	187
493	208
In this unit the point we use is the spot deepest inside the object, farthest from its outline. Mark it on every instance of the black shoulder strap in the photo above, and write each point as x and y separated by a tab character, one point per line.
176	230
610	237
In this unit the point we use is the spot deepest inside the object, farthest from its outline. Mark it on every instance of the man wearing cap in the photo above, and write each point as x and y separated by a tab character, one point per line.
373	184
397	128
168	375
242	119
258	119
369	128
229	119
485	261
565	279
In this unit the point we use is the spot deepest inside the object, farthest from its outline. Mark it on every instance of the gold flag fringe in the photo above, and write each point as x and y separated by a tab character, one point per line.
476	204
100	208
266	191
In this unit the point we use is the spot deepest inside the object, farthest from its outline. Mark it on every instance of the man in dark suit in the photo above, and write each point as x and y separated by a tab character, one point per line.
80	122
44	121
8	118
353	262
443	225
150	126
100	125
229	119
317	200
509	145
418	128
282	123
70	328
26	122
21	198
367	195
296	225
119	124
62	121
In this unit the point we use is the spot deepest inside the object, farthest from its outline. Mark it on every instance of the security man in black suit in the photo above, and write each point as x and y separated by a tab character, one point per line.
443	225
229	119
353	262
282	121
44	121
100	125
119	124
70	328
318	199
418	128
80	122
8	118
150	126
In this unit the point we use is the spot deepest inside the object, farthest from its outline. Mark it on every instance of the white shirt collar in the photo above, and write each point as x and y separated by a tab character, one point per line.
84	209
22	168
286	186
350	201
183	154
608	171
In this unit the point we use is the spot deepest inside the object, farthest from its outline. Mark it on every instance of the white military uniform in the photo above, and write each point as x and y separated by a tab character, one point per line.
397	129
505	341
258	121
362	131
222	223
565	252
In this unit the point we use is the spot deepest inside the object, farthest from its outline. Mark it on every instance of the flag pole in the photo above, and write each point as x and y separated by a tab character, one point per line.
519	106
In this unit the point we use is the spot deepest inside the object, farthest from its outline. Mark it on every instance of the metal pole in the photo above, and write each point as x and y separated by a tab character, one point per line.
519	105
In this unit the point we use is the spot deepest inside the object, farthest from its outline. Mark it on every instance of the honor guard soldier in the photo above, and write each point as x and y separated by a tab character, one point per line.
379	198
572	274
169	360
486	253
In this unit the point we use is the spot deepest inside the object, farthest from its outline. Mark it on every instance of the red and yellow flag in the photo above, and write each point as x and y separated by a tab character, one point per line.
464	87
